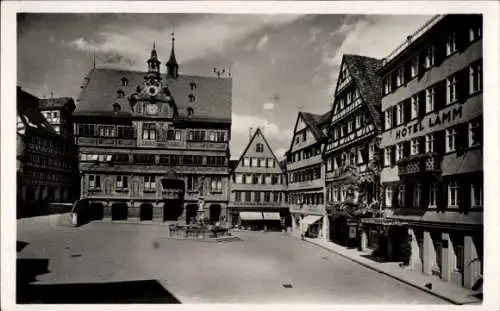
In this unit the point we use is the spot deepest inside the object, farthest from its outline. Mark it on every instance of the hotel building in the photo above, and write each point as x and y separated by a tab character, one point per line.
432	174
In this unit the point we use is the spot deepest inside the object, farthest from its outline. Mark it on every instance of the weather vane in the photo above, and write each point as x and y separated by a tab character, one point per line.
219	72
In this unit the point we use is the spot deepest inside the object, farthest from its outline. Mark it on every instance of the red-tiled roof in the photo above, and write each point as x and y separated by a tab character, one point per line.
212	95
363	70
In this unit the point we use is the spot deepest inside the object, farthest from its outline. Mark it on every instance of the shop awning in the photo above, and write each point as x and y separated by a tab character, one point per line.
271	216
251	215
310	219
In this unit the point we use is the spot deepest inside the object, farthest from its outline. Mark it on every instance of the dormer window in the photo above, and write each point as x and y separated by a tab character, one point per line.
120	93
124	81
138	89
192	85
190	111
192	98
116	108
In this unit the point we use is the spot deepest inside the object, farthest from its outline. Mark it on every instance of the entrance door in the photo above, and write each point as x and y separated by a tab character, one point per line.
146	212
96	211
119	211
172	210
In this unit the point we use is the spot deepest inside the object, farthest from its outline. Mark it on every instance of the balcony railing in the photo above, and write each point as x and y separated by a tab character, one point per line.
308	184
304	162
107	141
430	163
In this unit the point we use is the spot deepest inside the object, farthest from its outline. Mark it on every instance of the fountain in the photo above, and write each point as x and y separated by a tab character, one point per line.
201	229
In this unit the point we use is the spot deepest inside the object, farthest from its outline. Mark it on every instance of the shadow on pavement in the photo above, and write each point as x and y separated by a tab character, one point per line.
378	259
143	291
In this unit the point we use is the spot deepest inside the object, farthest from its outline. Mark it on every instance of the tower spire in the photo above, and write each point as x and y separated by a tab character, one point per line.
153	62
172	65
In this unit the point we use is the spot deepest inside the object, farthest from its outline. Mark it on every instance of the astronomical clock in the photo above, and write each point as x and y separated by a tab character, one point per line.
153	99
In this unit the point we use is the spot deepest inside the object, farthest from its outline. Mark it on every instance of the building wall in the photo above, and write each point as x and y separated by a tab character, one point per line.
444	218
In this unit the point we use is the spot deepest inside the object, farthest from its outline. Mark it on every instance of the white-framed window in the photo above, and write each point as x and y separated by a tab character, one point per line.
433	192
429	56
107	131
475	78
254	162
246	162
387	156
453	189
417	195
268	179
388	196
94	181
371	151
149	183
430	94
239	178
349	126
149	131
259	147
216	184
121	182
451	44
401	195
329	163
388	118
335	194
400	114
415	146
415	103
414	67
476	194
400	76
429	143
451	89
387	85
360	120
399	152
57	128
475	133
451	139
475	32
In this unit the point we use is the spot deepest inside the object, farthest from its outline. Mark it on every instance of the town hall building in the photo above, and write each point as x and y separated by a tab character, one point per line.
154	146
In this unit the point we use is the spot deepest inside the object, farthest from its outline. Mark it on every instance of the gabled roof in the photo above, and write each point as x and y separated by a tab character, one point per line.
363	70
315	122
55	103
28	113
257	132
212	95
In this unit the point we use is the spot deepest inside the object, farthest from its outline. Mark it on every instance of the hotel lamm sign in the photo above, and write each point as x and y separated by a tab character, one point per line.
441	119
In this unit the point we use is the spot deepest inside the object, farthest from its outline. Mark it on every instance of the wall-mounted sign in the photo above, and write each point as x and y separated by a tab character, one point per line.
430	122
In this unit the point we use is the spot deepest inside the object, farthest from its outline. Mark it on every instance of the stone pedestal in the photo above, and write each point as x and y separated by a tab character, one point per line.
133	213
157	214
429	253
363	240
448	258
107	213
472	265
415	251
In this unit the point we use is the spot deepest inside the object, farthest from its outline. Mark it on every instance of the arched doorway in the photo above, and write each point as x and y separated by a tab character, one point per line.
146	212
96	211
119	211
191	211
214	213
173	196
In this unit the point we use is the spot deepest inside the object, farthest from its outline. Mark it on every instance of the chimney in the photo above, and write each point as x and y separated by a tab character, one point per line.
250	133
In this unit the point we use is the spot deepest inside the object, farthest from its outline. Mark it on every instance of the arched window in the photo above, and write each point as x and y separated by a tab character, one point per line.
190	111
259	147
192	98
116	108
120	93
124	81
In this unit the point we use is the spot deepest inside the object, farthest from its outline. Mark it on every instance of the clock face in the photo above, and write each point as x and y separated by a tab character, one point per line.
151	109
153	90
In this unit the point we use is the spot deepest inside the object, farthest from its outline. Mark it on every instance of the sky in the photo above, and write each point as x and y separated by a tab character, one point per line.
280	64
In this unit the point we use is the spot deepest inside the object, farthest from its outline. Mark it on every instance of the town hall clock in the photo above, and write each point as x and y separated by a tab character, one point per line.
151	109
